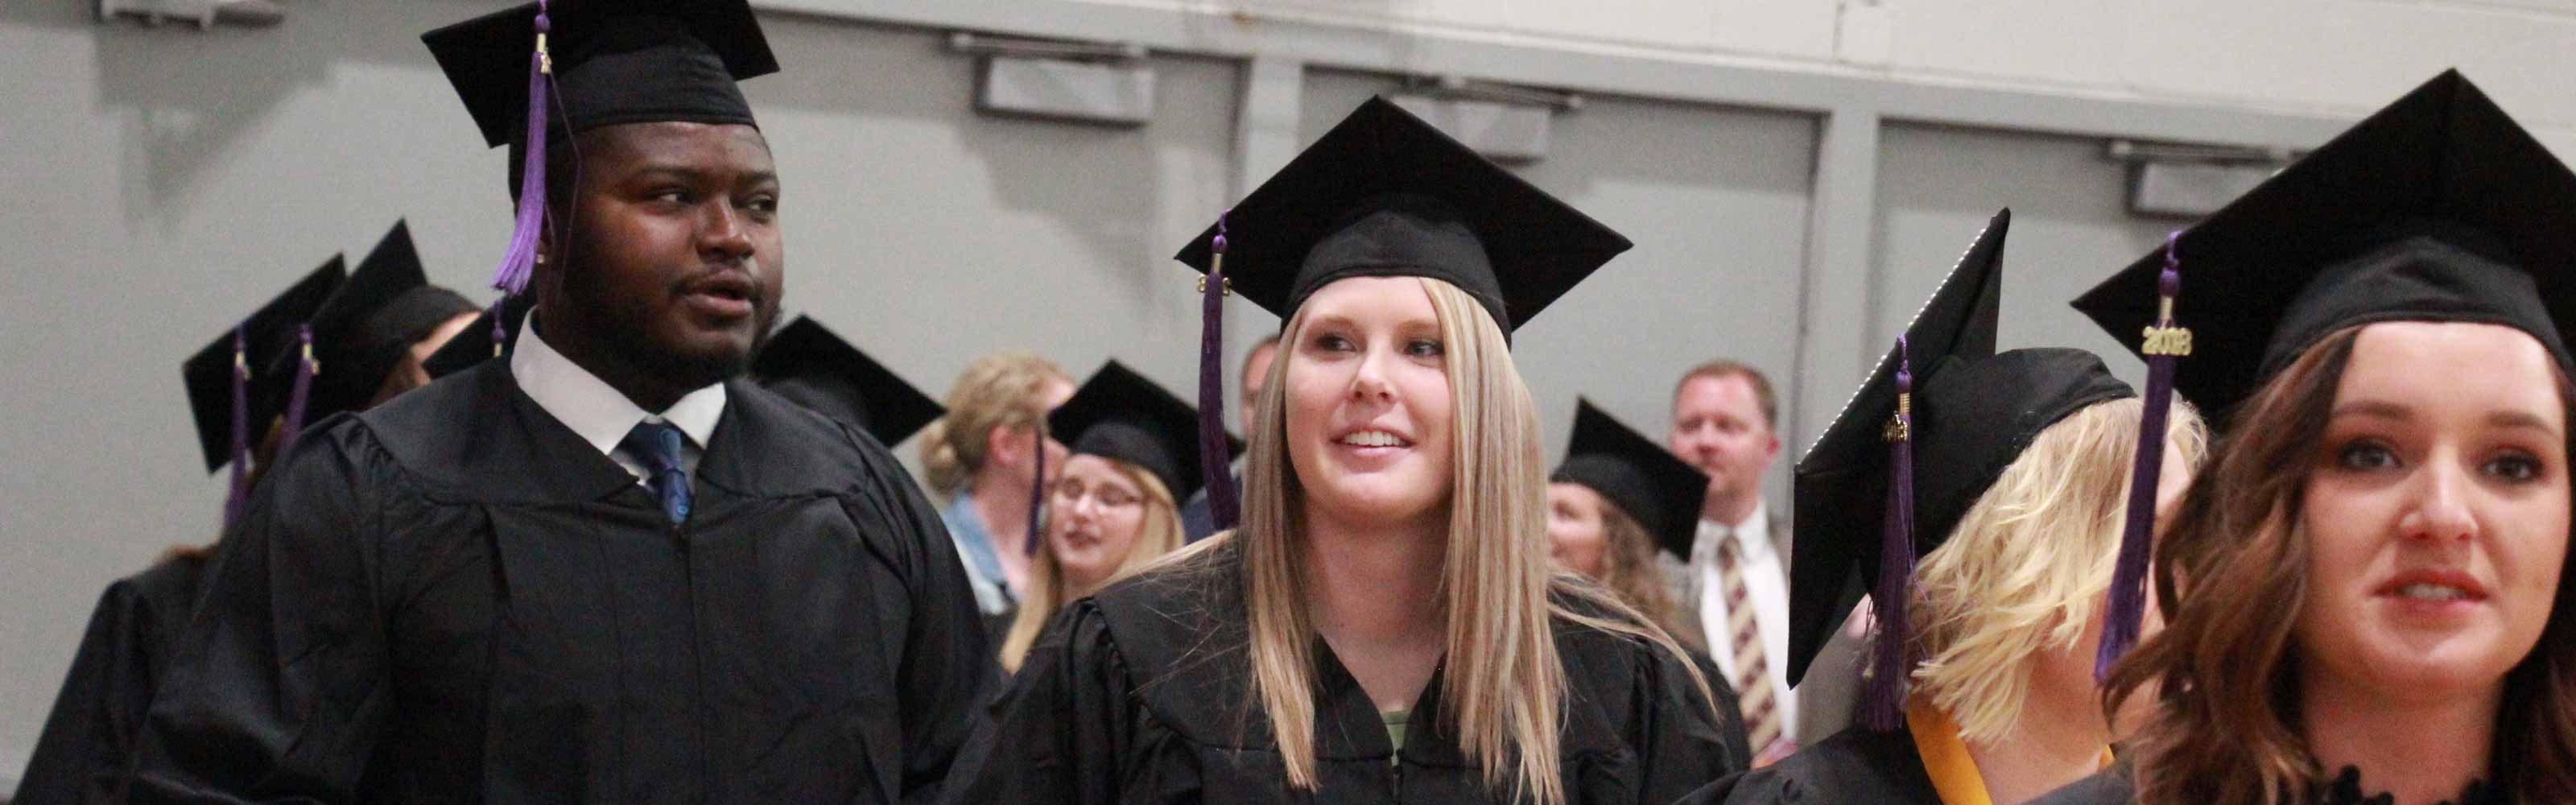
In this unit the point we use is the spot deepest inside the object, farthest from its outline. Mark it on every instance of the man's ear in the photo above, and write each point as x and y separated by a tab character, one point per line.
546	278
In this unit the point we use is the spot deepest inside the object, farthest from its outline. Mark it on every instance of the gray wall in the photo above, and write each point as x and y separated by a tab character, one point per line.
1938	186
164	181
932	235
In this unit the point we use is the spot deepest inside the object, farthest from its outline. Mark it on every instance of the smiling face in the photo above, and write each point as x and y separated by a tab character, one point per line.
2436	511
1368	403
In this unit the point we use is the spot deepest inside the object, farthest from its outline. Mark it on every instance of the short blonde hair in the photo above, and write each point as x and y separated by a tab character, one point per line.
997	390
2026	568
1048	591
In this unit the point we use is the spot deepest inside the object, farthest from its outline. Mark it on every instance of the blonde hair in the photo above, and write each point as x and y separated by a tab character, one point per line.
2025	570
997	390
1160	534
1504	687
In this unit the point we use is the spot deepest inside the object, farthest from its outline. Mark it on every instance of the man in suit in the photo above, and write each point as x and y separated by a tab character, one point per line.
1736	581
1196	523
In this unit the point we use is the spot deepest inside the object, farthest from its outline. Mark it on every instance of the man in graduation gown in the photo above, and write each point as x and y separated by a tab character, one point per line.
605	567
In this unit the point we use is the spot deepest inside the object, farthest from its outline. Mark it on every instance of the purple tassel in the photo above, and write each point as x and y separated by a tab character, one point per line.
1883	706
1224	509
2124	607
241	428
520	260
305	369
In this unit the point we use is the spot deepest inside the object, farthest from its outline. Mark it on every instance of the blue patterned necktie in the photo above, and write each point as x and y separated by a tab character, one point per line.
657	445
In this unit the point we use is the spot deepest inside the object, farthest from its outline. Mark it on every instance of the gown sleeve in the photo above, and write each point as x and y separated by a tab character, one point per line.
947	667
1064	728
1731	731
1852	766
1683	745
80	756
279	685
1772	785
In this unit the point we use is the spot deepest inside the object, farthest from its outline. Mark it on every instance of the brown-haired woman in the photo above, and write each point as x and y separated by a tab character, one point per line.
2367	591
1616	507
1616	499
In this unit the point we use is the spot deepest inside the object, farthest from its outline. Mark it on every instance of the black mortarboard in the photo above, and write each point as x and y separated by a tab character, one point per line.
1121	415
611	62
489	336
1386	194
1974	419
1853	488
1654	487
367	326
806	363
224	393
267	333
2437	208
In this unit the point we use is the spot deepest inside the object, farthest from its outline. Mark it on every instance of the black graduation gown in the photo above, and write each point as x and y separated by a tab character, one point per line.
1143	695
2106	787
453	598
1737	738
89	739
1855	765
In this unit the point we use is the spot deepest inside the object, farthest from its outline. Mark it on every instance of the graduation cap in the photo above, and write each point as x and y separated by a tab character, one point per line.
596	63
1853	489
1385	194
490	336
806	363
1118	414
2438	207
219	378
1655	488
365	328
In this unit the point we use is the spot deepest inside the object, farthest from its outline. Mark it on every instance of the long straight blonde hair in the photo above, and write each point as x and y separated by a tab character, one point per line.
1158	534
1504	687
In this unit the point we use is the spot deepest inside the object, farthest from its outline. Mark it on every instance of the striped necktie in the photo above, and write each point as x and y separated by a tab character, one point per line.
1752	669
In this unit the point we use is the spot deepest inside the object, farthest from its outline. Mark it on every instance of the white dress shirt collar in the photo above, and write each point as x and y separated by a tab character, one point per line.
594	410
1753	536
